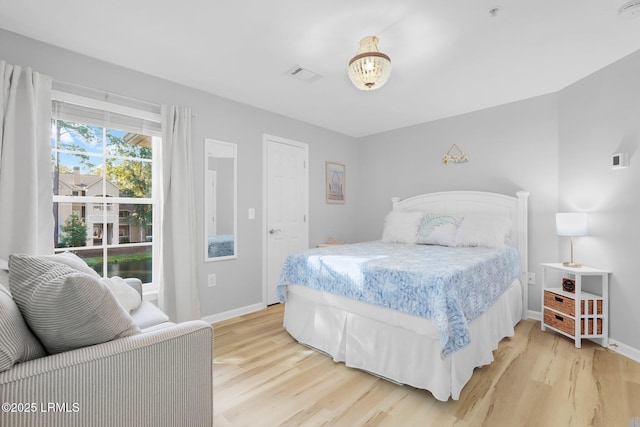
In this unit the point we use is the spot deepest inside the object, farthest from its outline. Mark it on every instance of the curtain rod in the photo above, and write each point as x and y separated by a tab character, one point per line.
104	95
105	105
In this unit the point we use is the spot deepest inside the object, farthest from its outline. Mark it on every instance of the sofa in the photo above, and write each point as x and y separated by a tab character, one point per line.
73	354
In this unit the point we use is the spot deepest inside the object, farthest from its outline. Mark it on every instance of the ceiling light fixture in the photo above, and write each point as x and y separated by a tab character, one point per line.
370	68
630	9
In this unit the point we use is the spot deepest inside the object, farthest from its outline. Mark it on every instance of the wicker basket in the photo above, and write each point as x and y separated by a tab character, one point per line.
567	324
567	305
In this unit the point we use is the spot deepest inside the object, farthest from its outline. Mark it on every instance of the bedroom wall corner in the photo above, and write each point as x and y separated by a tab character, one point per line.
511	147
239	282
600	116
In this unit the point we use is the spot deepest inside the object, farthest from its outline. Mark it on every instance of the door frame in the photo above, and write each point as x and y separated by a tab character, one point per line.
265	199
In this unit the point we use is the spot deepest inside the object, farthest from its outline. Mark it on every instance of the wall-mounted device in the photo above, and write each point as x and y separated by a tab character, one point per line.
619	161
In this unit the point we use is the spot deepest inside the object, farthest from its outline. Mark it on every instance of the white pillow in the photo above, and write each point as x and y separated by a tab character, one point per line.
438	229
401	226
483	230
126	296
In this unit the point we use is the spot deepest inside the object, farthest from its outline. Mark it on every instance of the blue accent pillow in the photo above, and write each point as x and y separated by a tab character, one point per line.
438	229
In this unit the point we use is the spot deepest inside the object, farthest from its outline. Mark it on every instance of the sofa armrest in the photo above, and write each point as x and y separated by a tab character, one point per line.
160	378
135	283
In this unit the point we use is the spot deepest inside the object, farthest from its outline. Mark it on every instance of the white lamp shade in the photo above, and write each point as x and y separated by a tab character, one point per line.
571	224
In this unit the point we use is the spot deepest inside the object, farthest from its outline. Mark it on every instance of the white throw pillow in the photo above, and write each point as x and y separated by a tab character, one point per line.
401	226
126	296
438	229
483	230
65	309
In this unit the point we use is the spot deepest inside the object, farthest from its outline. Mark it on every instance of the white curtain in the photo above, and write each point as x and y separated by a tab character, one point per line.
175	256
26	196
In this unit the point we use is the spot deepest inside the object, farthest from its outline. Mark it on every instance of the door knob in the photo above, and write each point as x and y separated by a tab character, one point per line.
274	231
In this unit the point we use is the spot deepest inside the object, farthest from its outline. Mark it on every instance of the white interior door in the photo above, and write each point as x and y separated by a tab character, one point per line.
286	201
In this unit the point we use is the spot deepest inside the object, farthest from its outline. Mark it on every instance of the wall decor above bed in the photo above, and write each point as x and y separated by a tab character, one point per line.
454	155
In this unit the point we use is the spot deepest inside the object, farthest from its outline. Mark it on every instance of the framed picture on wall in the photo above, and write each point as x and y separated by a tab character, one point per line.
336	190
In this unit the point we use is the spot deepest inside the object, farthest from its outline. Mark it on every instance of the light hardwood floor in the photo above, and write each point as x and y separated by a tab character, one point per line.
262	377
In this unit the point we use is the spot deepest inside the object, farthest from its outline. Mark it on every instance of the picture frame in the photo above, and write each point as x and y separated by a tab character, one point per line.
335	179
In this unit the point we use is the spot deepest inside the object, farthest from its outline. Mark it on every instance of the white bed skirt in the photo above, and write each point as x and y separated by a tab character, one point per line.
397	346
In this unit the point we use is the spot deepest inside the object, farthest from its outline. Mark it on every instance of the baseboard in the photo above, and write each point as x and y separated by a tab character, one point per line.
215	318
620	348
535	315
625	350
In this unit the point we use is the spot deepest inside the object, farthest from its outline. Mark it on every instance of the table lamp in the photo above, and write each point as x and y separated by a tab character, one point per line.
572	224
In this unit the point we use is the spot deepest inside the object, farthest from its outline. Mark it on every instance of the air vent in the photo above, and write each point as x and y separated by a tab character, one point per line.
630	9
302	74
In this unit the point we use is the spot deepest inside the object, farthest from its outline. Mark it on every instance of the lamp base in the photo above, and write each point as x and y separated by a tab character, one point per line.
572	264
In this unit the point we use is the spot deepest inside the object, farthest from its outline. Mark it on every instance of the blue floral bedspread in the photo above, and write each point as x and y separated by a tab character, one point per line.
450	286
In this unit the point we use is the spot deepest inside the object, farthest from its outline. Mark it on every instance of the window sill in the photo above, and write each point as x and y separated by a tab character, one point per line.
150	292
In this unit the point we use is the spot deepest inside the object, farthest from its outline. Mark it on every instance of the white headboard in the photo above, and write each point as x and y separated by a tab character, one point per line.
480	202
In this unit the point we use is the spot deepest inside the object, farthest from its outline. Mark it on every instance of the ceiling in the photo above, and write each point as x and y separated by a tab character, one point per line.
449	57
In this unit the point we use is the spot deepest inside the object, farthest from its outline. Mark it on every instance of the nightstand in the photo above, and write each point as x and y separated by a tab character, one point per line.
330	242
576	314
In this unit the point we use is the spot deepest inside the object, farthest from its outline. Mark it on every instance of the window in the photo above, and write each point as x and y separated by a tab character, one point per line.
101	162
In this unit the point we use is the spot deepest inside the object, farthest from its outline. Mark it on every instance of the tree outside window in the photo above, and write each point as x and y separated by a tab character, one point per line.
100	173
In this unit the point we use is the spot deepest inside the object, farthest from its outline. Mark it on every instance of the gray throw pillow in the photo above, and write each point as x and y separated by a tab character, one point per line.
4	274
66	309
18	343
74	261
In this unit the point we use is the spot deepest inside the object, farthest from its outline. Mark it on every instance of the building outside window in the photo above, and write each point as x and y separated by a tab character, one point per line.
102	192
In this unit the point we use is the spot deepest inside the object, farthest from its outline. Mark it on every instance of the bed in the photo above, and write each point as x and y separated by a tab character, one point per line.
403	338
220	245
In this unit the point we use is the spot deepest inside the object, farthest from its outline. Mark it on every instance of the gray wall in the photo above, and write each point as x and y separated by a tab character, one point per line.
239	282
599	116
511	147
556	146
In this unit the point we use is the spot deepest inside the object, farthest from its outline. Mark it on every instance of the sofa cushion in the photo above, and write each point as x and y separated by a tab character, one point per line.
4	275
158	327
18	343
147	315
66	309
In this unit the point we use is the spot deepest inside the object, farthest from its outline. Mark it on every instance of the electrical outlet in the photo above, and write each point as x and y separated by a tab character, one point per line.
212	280
531	278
